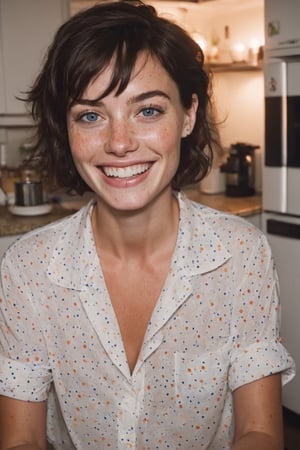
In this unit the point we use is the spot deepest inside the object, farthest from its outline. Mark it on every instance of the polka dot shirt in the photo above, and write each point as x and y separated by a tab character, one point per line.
214	328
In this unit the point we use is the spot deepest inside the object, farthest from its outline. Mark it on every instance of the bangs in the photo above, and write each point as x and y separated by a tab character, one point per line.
121	49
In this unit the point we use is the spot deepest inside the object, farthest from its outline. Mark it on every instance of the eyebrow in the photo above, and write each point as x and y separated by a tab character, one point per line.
149	94
135	99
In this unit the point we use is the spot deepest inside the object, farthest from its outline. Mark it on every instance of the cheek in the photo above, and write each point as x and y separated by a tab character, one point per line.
169	145
81	145
165	138
171	140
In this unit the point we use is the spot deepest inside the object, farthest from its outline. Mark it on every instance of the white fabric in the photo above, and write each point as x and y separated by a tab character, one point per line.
214	328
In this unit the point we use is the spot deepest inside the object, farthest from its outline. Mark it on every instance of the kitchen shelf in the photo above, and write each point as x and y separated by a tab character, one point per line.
234	67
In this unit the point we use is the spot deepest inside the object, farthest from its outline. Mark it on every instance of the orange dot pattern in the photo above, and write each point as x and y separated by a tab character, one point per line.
215	327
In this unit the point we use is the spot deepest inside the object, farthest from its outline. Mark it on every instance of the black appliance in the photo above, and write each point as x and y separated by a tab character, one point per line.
240	170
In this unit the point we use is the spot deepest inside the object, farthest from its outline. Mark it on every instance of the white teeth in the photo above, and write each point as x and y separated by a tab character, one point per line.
126	172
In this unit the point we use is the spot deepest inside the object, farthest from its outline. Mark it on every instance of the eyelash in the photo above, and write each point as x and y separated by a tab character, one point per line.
83	116
155	111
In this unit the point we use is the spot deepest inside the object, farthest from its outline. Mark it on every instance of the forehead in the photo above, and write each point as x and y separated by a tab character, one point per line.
147	73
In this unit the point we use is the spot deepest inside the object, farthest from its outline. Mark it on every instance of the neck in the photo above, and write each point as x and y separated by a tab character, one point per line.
136	234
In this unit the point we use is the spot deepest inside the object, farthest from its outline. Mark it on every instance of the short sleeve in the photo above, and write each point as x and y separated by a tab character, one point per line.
257	348
22	381
24	369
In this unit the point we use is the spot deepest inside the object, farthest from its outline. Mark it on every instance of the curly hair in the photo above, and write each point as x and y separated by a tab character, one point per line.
82	48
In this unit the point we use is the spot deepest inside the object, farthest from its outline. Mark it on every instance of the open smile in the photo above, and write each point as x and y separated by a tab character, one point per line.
125	172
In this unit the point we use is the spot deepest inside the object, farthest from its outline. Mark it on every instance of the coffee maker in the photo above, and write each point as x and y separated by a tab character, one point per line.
240	170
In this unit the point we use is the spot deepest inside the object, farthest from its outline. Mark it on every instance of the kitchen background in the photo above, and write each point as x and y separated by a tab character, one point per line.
232	35
232	28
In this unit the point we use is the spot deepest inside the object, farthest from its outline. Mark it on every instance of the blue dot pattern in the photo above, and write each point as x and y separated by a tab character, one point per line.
215	327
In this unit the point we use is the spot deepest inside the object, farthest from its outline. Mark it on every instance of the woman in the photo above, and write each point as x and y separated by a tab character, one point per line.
143	321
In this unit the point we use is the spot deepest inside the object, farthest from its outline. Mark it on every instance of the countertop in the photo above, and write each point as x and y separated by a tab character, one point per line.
11	225
241	206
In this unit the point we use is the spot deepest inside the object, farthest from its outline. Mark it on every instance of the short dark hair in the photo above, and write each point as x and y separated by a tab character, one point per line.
84	46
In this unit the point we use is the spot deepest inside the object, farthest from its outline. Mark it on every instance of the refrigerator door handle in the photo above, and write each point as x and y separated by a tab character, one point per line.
285	229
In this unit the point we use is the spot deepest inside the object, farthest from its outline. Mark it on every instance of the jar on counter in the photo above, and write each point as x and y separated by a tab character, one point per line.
29	193
29	189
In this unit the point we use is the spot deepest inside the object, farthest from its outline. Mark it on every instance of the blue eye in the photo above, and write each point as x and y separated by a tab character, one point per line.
90	117
149	112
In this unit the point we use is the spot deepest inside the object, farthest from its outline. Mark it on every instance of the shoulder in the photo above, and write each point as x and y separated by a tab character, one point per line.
234	232
44	239
216	219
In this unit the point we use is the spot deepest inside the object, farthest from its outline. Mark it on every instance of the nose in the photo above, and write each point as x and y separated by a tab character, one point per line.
121	138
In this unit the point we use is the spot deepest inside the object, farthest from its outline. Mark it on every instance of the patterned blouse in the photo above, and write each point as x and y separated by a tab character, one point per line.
214	328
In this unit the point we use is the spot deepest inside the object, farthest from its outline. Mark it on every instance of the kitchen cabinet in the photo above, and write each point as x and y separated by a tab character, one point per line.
282	37
26	29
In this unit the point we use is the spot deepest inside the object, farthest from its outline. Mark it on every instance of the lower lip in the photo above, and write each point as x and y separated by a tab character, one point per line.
127	182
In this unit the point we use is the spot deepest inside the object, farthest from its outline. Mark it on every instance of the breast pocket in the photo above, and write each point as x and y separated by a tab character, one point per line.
201	387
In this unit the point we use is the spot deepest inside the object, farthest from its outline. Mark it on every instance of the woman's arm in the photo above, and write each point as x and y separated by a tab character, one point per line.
258	415
22	424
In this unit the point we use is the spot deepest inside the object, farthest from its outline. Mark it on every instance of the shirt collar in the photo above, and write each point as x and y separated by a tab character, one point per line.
199	248
74	261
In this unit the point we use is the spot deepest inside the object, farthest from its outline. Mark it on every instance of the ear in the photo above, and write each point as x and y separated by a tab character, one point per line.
190	117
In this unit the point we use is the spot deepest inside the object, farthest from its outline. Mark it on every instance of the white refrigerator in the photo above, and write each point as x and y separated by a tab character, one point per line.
281	172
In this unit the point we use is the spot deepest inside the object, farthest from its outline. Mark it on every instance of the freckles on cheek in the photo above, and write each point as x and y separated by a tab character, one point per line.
79	146
77	140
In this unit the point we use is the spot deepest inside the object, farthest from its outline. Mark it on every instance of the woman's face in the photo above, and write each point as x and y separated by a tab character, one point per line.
127	147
